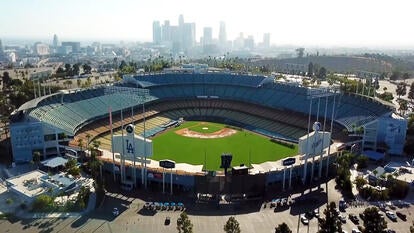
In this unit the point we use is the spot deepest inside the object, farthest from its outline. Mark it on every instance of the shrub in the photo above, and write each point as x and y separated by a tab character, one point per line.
360	182
362	161
43	203
9	201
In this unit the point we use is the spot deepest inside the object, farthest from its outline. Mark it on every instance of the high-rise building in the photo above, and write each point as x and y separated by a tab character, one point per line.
156	32
181	21
222	34
207	36
266	40
179	38
55	41
166	31
188	35
41	49
249	42
239	41
75	46
1	48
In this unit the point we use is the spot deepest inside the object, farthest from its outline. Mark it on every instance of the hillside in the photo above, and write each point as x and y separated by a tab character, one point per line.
340	64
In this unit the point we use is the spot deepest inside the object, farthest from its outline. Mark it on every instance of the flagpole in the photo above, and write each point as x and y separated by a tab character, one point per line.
123	149
143	161
112	142
133	142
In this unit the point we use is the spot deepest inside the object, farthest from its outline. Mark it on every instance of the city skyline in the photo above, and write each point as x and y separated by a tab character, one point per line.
317	23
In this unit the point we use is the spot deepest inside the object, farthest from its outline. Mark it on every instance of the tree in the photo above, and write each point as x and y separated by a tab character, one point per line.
232	226
403	106
360	182
322	73
395	75
36	158
184	224
373	222
406	76
331	222
411	92
283	228
60	70
76	69
401	89
87	69
68	69
412	228
310	69
72	168
300	52
6	80
43	203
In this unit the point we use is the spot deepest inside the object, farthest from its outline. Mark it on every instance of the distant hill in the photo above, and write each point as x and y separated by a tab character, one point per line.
340	64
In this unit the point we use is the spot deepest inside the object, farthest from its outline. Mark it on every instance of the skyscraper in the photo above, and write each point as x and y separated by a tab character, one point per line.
222	34
188	35
1	49
207	36
166	31
55	41
156	32
181	21
266	40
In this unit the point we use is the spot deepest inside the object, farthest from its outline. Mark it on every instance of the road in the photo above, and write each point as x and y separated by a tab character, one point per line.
206	219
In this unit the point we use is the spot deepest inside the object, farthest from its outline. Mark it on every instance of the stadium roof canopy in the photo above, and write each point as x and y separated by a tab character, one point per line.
34	102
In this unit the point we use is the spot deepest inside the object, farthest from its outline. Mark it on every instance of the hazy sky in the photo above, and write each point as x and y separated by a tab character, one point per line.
298	22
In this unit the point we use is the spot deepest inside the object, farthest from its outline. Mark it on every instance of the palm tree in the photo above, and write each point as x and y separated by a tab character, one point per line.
184	224
80	143
36	158
283	228
232	226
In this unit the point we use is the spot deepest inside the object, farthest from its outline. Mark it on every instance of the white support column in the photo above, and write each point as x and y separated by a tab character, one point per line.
163	180
329	147
171	183
305	165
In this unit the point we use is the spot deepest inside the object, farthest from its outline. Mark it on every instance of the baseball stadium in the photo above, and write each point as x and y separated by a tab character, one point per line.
193	119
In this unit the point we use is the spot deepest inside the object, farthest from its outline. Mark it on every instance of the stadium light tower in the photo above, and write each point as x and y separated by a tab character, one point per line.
316	146
140	95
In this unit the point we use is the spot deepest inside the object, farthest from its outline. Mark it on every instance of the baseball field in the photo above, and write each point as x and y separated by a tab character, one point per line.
202	143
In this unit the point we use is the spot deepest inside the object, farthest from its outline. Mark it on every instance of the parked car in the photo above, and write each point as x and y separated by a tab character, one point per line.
354	219
342	205
342	218
304	220
362	216
356	230
401	215
316	213
115	211
390	231
167	221
391	216
309	214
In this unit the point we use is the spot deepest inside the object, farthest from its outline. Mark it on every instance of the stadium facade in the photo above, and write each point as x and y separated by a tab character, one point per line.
256	103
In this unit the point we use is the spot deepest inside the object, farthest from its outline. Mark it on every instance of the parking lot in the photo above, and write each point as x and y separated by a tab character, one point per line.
206	218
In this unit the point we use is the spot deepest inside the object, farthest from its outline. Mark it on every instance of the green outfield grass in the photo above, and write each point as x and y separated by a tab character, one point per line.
170	145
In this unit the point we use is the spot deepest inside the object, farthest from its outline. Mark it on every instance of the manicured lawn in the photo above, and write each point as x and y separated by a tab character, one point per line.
242	145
